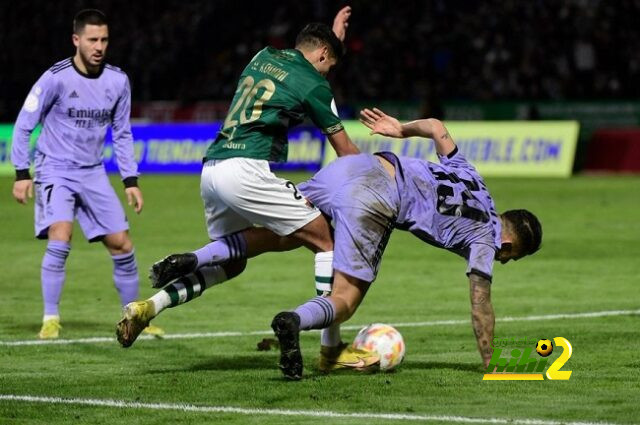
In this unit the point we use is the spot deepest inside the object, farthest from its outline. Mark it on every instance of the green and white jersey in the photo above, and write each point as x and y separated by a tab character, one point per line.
277	90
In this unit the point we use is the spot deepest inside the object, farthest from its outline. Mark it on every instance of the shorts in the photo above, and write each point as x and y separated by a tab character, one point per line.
84	194
241	192
362	199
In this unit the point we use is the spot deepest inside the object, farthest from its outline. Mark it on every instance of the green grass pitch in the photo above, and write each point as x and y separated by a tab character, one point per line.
588	263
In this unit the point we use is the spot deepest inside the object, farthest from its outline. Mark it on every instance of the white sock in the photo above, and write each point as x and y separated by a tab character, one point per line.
50	316
160	300
330	336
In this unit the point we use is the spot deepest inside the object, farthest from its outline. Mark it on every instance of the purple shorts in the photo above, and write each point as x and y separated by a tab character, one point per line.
362	199
85	194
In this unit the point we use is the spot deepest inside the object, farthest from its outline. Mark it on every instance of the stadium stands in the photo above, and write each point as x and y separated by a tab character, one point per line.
429	50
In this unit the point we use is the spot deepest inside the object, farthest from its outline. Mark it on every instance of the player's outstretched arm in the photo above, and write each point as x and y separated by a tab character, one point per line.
341	22
434	129
386	125
482	316
342	143
380	123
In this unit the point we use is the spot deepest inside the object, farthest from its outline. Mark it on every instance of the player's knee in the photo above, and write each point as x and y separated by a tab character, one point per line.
118	243
234	268
127	246
60	232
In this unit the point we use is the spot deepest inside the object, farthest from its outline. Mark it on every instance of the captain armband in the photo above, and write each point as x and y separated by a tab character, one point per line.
334	129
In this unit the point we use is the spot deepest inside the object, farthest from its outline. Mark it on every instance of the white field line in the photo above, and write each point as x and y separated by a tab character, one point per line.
122	404
93	340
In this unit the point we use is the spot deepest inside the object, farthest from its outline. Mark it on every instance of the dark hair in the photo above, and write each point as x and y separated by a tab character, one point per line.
88	17
526	228
318	34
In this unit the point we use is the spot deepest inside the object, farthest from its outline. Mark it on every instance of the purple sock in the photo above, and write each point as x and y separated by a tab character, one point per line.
52	274
317	313
125	277
232	247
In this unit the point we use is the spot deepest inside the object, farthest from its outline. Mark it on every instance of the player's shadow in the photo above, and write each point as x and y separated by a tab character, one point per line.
467	367
226	363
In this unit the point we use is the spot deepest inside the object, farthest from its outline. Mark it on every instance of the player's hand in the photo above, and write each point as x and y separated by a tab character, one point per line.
341	22
381	123
22	190
134	198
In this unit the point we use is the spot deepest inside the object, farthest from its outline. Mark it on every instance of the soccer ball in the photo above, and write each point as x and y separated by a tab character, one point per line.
544	347
383	339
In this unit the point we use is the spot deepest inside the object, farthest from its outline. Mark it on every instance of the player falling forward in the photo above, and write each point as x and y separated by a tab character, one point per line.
76	100
276	91
446	205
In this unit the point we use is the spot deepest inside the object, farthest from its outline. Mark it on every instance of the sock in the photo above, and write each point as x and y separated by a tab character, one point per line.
330	336
188	287
317	313
125	277
232	247
324	272
52	275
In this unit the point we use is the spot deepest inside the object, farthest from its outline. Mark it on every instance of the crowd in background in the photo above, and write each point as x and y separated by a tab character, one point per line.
409	50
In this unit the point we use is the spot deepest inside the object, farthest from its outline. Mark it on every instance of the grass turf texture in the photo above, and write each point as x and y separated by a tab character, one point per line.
588	262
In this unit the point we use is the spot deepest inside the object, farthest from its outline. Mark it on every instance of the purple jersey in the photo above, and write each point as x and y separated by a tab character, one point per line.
446	205
75	110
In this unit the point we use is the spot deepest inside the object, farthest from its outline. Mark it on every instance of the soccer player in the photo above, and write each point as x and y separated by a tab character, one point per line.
446	205
75	101
277	90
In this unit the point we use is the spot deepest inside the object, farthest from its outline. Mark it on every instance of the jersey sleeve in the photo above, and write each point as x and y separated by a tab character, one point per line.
122	137
36	106
321	108
480	261
455	159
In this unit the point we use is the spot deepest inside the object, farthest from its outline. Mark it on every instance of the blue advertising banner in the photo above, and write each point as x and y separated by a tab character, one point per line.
514	148
179	148
166	148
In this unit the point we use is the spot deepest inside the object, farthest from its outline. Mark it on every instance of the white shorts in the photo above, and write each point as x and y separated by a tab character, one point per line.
241	192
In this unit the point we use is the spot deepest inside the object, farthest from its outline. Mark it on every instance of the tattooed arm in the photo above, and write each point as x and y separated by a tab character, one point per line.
433	129
386	125
482	317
